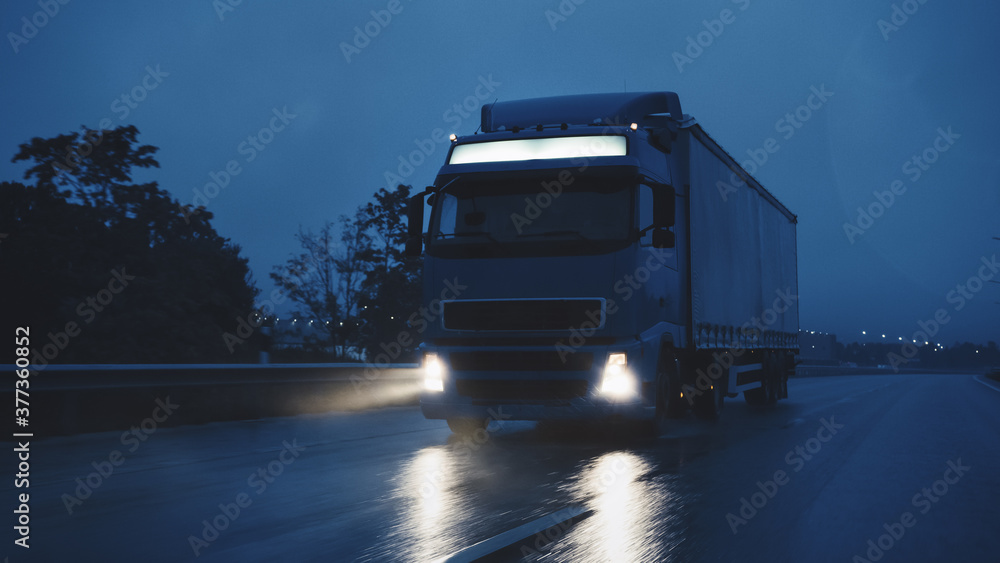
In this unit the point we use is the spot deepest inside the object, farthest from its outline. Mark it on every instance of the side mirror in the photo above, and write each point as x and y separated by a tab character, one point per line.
415	224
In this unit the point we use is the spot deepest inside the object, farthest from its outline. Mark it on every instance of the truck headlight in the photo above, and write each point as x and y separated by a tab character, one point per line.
618	382
433	373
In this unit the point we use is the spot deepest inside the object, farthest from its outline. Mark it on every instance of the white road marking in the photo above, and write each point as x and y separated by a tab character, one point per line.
512	536
978	379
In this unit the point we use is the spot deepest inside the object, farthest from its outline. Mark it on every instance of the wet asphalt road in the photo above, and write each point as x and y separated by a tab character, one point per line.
845	460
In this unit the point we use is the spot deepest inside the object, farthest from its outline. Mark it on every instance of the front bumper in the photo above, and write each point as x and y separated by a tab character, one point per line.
438	407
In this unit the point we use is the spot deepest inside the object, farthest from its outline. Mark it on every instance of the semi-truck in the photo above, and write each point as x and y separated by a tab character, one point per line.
600	257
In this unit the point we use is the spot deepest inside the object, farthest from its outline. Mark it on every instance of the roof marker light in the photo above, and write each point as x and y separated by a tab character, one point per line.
634	126
453	137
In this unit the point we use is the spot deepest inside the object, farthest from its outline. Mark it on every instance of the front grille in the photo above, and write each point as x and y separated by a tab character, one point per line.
522	314
528	360
527	390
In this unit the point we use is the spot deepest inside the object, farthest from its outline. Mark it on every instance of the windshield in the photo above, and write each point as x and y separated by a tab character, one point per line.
532	212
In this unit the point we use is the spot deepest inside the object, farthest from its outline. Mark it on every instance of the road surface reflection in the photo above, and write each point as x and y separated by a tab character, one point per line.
637	506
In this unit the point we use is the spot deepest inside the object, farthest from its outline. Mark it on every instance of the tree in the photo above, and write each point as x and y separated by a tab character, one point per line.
107	270
325	281
391	289
358	289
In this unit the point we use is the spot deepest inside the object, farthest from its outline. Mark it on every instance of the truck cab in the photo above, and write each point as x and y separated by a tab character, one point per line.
556	266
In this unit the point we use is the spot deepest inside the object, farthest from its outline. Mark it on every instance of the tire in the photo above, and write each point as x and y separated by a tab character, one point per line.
467	426
758	396
767	393
667	400
669	403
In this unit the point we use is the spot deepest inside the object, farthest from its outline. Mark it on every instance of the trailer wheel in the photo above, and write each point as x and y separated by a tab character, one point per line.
767	393
467	426
758	396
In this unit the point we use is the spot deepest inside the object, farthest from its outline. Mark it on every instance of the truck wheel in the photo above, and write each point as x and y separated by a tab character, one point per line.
467	426
669	403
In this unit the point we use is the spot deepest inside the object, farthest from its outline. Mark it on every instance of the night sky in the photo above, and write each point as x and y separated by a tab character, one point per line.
345	107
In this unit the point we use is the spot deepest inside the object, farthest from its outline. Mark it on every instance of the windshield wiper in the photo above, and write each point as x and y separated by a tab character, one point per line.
555	234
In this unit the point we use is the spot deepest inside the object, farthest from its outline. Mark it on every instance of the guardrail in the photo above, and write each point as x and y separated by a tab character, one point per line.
73	399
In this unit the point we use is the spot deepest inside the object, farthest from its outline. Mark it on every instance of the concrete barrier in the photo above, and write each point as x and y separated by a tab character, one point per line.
76	399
